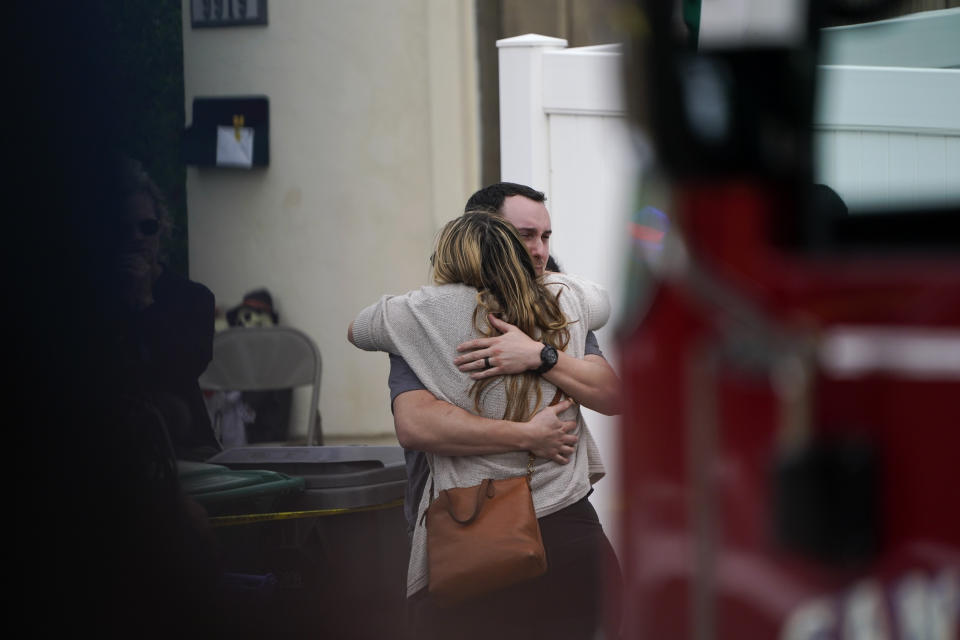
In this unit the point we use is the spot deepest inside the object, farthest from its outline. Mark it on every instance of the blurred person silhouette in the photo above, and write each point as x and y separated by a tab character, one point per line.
164	326
169	320
104	541
114	543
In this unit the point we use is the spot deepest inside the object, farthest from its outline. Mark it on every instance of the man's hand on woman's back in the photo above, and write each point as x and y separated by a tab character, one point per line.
550	436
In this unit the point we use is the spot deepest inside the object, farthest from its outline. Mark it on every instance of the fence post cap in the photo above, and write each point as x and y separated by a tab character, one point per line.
531	40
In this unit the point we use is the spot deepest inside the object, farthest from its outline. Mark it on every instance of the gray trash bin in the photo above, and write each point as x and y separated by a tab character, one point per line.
338	549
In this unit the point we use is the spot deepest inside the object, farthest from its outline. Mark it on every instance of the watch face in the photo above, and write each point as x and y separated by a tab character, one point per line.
548	355
551	356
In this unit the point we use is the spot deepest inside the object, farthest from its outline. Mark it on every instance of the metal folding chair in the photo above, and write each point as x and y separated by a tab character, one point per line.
267	358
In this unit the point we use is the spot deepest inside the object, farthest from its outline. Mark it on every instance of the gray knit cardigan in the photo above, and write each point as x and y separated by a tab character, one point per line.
424	327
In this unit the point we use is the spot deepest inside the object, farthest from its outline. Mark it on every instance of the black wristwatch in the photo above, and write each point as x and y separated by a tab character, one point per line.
548	358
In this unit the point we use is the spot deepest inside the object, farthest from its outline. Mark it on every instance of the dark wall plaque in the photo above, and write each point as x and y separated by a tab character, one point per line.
227	13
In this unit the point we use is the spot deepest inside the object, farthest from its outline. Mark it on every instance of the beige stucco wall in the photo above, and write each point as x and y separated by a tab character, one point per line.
373	144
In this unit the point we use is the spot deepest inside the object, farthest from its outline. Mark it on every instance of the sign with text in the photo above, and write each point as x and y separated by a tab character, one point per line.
227	13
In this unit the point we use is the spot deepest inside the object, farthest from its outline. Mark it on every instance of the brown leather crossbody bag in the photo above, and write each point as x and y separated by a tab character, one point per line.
483	538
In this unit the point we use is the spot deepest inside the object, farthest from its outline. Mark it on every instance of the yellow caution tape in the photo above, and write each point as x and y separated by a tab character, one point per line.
250	518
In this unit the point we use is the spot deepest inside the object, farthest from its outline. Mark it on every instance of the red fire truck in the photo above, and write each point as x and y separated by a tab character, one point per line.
791	439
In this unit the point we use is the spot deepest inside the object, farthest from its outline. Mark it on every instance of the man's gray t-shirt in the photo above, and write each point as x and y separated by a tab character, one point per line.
403	379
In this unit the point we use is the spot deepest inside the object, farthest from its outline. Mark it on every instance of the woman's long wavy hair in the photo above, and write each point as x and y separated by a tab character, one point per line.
484	251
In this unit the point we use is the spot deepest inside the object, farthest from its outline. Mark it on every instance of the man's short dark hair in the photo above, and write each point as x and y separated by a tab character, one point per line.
491	197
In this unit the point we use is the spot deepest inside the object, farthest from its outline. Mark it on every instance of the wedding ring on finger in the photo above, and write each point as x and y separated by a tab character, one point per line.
486	361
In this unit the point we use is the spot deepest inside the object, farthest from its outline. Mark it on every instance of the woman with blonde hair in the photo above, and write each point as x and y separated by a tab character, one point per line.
481	268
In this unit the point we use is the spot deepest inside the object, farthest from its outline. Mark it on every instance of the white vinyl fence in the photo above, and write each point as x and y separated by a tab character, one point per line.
563	132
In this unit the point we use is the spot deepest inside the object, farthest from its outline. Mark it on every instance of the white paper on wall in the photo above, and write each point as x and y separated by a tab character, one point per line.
235	150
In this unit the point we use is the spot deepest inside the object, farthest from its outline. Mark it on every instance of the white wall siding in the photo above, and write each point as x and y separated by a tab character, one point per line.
878	169
887	136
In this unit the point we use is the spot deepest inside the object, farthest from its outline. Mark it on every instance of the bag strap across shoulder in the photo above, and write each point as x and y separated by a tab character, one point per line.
485	490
